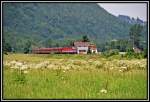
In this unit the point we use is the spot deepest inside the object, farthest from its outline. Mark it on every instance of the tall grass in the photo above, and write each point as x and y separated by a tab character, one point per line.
72	84
76	84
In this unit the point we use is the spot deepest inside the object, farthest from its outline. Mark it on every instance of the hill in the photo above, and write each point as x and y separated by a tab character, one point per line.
131	20
59	23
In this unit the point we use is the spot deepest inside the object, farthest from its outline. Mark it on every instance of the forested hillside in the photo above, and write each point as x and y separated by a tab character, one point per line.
59	23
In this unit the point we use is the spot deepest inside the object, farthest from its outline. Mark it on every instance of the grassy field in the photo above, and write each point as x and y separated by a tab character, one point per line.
34	76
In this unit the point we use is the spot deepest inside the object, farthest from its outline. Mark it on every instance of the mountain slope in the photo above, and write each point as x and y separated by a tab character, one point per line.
59	22
131	20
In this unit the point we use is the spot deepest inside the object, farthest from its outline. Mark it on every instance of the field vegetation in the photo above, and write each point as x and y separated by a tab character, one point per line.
57	76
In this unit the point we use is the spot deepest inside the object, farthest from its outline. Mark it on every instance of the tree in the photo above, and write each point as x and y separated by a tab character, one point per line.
27	47
6	47
57	44
71	43
85	39
89	51
48	43
134	33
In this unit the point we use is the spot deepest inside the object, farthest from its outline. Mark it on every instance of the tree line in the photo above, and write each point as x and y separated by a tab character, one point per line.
122	45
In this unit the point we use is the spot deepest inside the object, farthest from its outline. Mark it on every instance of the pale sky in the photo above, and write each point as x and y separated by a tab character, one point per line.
130	9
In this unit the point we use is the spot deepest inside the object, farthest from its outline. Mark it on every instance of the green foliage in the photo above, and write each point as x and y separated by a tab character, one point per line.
111	52
46	24
26	50
6	47
27	47
122	45
145	53
135	33
89	51
85	38
38	22
73	83
19	76
48	43
131	54
57	45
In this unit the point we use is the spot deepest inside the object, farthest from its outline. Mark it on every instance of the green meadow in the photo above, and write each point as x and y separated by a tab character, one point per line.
57	76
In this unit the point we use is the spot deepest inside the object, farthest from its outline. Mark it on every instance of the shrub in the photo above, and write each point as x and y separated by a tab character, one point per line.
131	54
111	52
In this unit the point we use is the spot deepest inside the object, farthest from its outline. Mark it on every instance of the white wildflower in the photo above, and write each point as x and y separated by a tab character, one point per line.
24	67
13	62
65	67
40	65
7	63
111	68
31	65
19	64
25	72
103	91
125	68
120	70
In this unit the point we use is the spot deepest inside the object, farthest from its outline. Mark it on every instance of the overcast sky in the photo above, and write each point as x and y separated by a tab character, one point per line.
130	9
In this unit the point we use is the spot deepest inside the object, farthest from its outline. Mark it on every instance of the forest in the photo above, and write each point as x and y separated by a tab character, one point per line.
59	24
